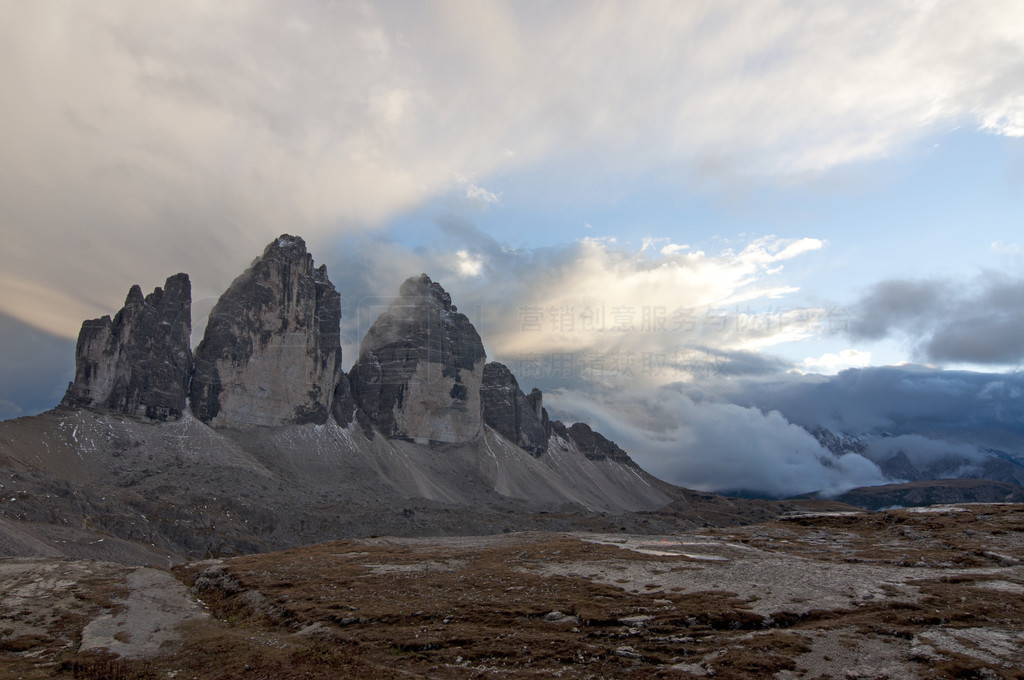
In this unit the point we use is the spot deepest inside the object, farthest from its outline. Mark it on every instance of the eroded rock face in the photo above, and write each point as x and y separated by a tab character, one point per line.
420	368
137	363
271	354
510	412
343	408
536	400
596	446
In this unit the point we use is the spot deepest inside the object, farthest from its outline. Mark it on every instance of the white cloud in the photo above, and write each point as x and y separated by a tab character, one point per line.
831	363
924	451
731	432
606	299
674	248
1006	118
1003	248
475	193
798	247
480	194
715	447
468	264
626	315
145	137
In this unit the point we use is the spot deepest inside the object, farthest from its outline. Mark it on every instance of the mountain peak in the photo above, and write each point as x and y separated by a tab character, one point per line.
271	354
422	287
139	362
420	368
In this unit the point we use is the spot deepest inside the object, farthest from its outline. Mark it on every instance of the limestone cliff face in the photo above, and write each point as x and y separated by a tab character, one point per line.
420	368
271	354
510	412
137	363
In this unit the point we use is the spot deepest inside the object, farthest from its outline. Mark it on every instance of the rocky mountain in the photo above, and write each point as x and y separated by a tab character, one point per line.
945	462
138	363
932	492
420	368
839	444
271	354
277	446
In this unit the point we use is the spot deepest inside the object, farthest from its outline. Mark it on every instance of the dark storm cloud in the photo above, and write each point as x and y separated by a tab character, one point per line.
979	321
741	363
983	409
897	304
36	369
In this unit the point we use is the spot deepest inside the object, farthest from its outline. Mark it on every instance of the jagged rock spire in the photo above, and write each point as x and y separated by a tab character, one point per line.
515	416
137	363
271	354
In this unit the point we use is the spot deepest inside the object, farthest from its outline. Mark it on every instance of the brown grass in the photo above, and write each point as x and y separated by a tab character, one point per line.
405	609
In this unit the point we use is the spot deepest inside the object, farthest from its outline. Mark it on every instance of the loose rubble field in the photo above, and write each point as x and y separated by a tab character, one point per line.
934	593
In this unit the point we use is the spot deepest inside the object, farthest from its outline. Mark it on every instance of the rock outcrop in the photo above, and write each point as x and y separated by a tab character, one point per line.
420	368
343	408
594	445
137	363
271	354
536	400
839	444
510	412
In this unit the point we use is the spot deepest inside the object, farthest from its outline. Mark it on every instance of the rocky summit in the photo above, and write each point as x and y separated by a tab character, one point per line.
271	354
420	368
139	362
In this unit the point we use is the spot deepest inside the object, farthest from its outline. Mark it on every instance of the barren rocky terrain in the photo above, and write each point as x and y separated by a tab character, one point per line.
915	593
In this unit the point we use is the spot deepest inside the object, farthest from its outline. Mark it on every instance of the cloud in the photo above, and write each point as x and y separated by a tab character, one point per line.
608	312
1003	248
750	432
897	304
468	264
980	321
142	139
36	369
923	452
476	193
714	446
834	362
979	409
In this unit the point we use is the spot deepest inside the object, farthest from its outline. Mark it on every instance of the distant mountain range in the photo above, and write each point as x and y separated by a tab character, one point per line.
901	466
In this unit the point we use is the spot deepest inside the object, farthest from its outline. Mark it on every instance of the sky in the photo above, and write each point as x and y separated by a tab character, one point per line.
679	219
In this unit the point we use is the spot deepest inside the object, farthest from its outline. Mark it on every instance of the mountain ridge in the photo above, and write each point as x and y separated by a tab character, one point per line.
277	446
